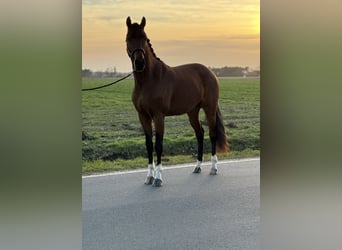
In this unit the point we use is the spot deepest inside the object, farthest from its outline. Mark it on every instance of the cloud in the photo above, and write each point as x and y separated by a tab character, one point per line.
100	2
222	30
176	11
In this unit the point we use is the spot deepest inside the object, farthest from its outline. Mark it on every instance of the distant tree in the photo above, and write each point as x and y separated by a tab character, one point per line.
230	71
110	72
254	73
86	73
98	74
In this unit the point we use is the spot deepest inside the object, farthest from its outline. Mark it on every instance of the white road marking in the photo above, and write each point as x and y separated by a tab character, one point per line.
169	168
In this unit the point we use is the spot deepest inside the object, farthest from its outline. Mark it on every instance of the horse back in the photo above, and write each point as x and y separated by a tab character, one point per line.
194	84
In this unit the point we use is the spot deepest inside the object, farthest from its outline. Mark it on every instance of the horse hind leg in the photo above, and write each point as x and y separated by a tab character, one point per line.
217	137
196	125
211	119
212	135
213	169
220	140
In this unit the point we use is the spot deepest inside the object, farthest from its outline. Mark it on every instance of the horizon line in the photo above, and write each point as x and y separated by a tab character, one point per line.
228	66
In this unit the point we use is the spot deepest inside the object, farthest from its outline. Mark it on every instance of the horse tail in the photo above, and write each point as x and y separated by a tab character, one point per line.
222	145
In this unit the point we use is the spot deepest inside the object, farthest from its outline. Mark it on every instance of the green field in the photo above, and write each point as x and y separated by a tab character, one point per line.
115	141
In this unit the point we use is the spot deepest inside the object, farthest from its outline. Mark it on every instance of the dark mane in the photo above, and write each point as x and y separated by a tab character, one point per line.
154	54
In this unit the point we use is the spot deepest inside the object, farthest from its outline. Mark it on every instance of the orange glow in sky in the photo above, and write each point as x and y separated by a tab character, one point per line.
215	33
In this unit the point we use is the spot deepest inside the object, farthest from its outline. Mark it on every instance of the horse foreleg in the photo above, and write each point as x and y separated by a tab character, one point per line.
146	123
159	150
159	126
150	169
150	174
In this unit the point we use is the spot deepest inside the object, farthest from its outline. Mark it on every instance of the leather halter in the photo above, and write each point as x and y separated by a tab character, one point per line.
131	54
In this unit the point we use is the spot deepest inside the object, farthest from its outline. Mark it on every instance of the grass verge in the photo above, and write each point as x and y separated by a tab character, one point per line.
112	138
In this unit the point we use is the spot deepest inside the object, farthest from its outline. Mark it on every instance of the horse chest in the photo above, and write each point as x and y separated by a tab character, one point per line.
150	103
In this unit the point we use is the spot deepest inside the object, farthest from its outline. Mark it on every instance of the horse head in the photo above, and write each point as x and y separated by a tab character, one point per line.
136	41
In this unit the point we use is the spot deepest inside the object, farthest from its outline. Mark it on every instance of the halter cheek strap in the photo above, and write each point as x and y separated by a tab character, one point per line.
131	53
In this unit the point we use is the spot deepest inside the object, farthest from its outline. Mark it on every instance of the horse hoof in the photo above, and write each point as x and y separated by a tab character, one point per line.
213	171
149	180
197	170
157	183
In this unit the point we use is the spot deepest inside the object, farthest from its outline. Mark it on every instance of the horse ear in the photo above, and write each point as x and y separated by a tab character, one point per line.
143	22
128	21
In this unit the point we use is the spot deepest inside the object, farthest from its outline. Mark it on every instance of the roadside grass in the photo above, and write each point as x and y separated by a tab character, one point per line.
113	138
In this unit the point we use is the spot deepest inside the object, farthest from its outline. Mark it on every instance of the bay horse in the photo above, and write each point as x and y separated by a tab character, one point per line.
161	90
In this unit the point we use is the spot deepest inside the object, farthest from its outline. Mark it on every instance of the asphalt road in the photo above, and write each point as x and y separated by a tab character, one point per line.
190	211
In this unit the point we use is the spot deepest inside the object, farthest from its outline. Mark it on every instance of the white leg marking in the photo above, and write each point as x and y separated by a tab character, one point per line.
150	173
157	173
197	167
213	169
150	169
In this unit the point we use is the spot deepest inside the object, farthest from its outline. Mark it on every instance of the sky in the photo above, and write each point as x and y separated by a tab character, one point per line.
215	33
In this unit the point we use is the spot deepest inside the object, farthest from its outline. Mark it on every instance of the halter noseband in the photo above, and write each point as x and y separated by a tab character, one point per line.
131	54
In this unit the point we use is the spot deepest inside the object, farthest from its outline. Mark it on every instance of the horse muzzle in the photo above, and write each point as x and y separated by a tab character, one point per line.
138	65
138	59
